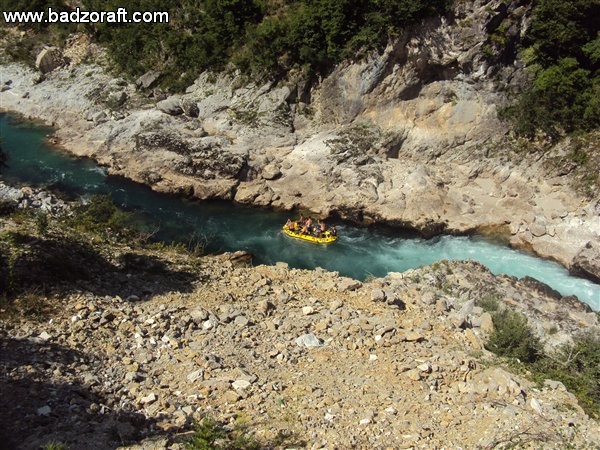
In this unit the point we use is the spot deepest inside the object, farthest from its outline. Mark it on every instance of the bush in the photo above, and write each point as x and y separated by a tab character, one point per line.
7	207
577	366
101	215
563	98
512	337
489	303
210	435
41	223
3	159
55	446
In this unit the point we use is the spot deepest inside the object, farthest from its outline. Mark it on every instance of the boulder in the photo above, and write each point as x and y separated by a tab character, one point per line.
587	262
148	80
377	295
240	259
171	106
117	98
190	108
348	284
49	59
271	172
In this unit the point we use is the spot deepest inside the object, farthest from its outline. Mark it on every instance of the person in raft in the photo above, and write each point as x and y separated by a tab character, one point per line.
307	226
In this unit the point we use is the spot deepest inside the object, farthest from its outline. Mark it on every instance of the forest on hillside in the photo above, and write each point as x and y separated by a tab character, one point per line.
271	38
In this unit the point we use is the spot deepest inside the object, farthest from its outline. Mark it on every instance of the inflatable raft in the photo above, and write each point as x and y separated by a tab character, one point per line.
324	238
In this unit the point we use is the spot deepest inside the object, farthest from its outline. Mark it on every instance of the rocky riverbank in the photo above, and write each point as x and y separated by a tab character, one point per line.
304	358
409	137
332	171
105	342
38	199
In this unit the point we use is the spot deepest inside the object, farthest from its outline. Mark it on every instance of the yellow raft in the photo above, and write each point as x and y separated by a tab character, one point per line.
325	238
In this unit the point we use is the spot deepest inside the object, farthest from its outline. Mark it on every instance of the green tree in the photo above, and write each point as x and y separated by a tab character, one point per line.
564	97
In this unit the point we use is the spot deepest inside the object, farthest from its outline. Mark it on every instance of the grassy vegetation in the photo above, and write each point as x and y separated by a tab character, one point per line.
38	251
576	365
56	446
100	215
562	50
3	159
489	303
212	435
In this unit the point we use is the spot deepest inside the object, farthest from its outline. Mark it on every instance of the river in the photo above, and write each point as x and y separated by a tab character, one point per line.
224	226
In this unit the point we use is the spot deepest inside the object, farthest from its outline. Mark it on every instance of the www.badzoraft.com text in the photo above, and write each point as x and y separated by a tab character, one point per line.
121	15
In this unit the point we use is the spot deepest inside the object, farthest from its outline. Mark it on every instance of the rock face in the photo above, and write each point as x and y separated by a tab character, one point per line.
587	262
409	137
49	59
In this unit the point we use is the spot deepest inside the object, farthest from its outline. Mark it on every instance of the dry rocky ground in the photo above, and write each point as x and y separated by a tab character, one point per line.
307	359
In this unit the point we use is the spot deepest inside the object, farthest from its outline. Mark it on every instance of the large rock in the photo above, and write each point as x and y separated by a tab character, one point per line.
49	59
587	262
190	107
148	80
271	172
171	106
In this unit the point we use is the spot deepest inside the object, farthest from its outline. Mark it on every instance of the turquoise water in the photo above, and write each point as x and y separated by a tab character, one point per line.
224	226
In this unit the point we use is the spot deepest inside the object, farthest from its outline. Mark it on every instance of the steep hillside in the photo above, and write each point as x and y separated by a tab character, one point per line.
106	342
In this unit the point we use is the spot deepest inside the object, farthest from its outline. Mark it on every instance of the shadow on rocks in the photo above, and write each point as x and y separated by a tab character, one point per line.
43	400
29	263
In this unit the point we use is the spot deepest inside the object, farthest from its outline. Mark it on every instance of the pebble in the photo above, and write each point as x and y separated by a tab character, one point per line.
241	384
424	367
308	340
308	310
44	411
535	405
149	399
241	321
44	336
413	375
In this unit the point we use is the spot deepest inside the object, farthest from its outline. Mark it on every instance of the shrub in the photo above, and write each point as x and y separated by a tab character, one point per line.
577	366
210	435
489	303
55	446
562	98
3	158
512	337
7	207
260	37
41	223
101	215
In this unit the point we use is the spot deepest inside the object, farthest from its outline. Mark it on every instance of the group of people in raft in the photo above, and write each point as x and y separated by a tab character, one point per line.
309	227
